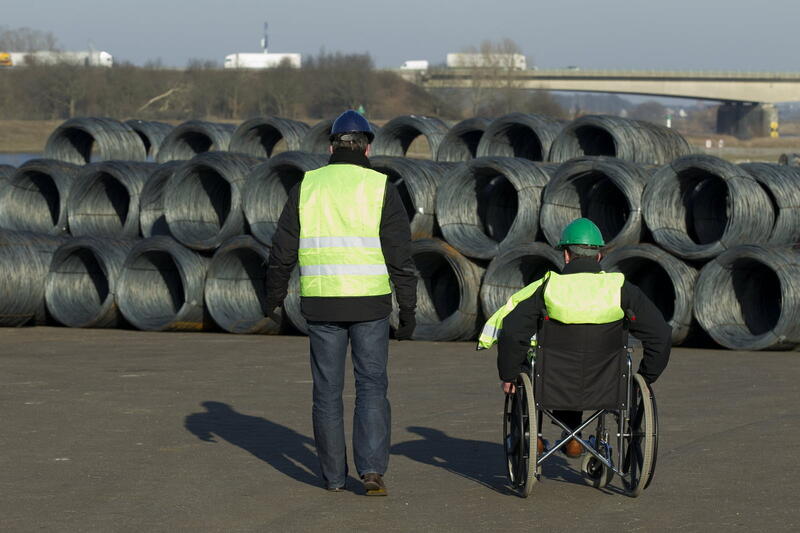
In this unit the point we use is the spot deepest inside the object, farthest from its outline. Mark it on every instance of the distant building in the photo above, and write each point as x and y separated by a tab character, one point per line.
262	60
90	58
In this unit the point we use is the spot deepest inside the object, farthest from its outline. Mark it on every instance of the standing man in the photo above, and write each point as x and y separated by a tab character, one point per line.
347	227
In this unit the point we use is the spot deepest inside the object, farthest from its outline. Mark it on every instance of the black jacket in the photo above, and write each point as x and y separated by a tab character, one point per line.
648	326
395	234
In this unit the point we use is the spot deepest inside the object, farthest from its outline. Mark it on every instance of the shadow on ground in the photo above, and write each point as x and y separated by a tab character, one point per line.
286	450
480	461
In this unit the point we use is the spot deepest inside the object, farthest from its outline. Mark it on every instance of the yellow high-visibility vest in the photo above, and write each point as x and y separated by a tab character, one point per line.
340	247
581	298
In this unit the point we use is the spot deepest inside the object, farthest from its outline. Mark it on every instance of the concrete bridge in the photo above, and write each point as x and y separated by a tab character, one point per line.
748	97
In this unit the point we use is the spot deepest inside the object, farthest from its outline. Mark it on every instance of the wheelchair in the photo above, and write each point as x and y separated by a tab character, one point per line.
623	408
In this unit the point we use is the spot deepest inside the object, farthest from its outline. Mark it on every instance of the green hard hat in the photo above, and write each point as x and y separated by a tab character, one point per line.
581	231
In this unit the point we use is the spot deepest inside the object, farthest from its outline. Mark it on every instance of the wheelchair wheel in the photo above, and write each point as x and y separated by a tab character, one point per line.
597	474
519	429
639	447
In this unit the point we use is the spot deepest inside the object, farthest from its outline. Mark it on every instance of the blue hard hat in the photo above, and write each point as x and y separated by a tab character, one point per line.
352	122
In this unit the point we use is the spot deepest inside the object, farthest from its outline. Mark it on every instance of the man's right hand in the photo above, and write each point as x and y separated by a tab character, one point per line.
407	324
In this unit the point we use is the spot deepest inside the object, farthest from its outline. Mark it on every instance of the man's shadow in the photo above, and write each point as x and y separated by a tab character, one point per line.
479	461
281	447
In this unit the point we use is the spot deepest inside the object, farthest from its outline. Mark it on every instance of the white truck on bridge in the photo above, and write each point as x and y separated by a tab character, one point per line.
89	58
476	60
262	60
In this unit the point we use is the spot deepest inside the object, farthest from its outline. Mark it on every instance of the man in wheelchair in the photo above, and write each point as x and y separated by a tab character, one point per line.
563	349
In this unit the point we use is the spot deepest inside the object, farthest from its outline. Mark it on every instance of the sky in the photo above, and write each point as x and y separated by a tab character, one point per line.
620	34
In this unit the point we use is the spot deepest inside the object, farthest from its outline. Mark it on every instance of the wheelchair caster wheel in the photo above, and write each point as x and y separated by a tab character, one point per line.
597	474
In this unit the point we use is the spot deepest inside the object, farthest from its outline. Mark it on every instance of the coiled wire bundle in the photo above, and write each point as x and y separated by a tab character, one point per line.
461	141
194	137
792	160
748	298
514	269
291	304
24	261
235	291
36	195
448	293
782	185
317	139
85	139
6	171
491	204
396	136
203	199
152	221
416	181
161	285
104	201
81	284
519	135
665	279
152	135
267	188
699	205
632	140
260	136
605	190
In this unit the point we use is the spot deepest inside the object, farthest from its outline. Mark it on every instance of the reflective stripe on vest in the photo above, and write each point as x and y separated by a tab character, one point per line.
585	298
340	247
493	327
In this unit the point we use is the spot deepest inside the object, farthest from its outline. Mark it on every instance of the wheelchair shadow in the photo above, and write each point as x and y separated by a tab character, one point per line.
479	461
286	450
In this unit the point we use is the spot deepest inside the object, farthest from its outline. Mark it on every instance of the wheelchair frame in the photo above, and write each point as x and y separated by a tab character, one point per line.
636	437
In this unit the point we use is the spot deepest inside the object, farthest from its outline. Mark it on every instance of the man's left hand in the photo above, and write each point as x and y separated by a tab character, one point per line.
508	387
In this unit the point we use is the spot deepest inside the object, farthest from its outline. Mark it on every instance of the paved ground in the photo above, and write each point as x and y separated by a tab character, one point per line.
131	431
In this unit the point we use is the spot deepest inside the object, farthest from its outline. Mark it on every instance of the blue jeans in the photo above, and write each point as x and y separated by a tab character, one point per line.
369	343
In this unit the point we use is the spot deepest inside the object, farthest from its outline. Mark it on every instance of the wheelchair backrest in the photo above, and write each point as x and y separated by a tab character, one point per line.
581	366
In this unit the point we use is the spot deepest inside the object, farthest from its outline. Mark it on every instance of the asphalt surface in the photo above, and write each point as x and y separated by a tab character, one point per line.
133	431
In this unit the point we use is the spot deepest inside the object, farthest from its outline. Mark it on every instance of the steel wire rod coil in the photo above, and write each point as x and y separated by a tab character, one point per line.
36	195
86	139
792	160
24	261
104	201
267	188
632	140
161	285
6	171
491	204
259	137
152	221
317	140
699	205
665	279
291	304
748	298
235	291
81	285
514	269
461	141
151	133
522	135
782	185
203	199
606	190
396	136
448	293
194	137
417	181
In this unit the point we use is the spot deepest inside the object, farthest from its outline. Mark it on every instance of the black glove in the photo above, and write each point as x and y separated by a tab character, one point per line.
407	325
272	311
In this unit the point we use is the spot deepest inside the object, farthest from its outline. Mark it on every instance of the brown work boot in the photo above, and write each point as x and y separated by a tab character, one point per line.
573	448
373	484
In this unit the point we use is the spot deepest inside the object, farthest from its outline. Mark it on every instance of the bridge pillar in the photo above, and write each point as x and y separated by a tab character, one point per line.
746	120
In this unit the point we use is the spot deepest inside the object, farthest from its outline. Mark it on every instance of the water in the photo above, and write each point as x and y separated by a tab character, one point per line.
16	159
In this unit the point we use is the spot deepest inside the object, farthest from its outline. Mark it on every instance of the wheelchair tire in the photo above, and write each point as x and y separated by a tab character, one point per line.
518	433
639	451
596	473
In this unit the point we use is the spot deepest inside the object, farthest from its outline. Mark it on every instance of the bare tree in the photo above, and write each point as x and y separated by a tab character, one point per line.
493	83
26	40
